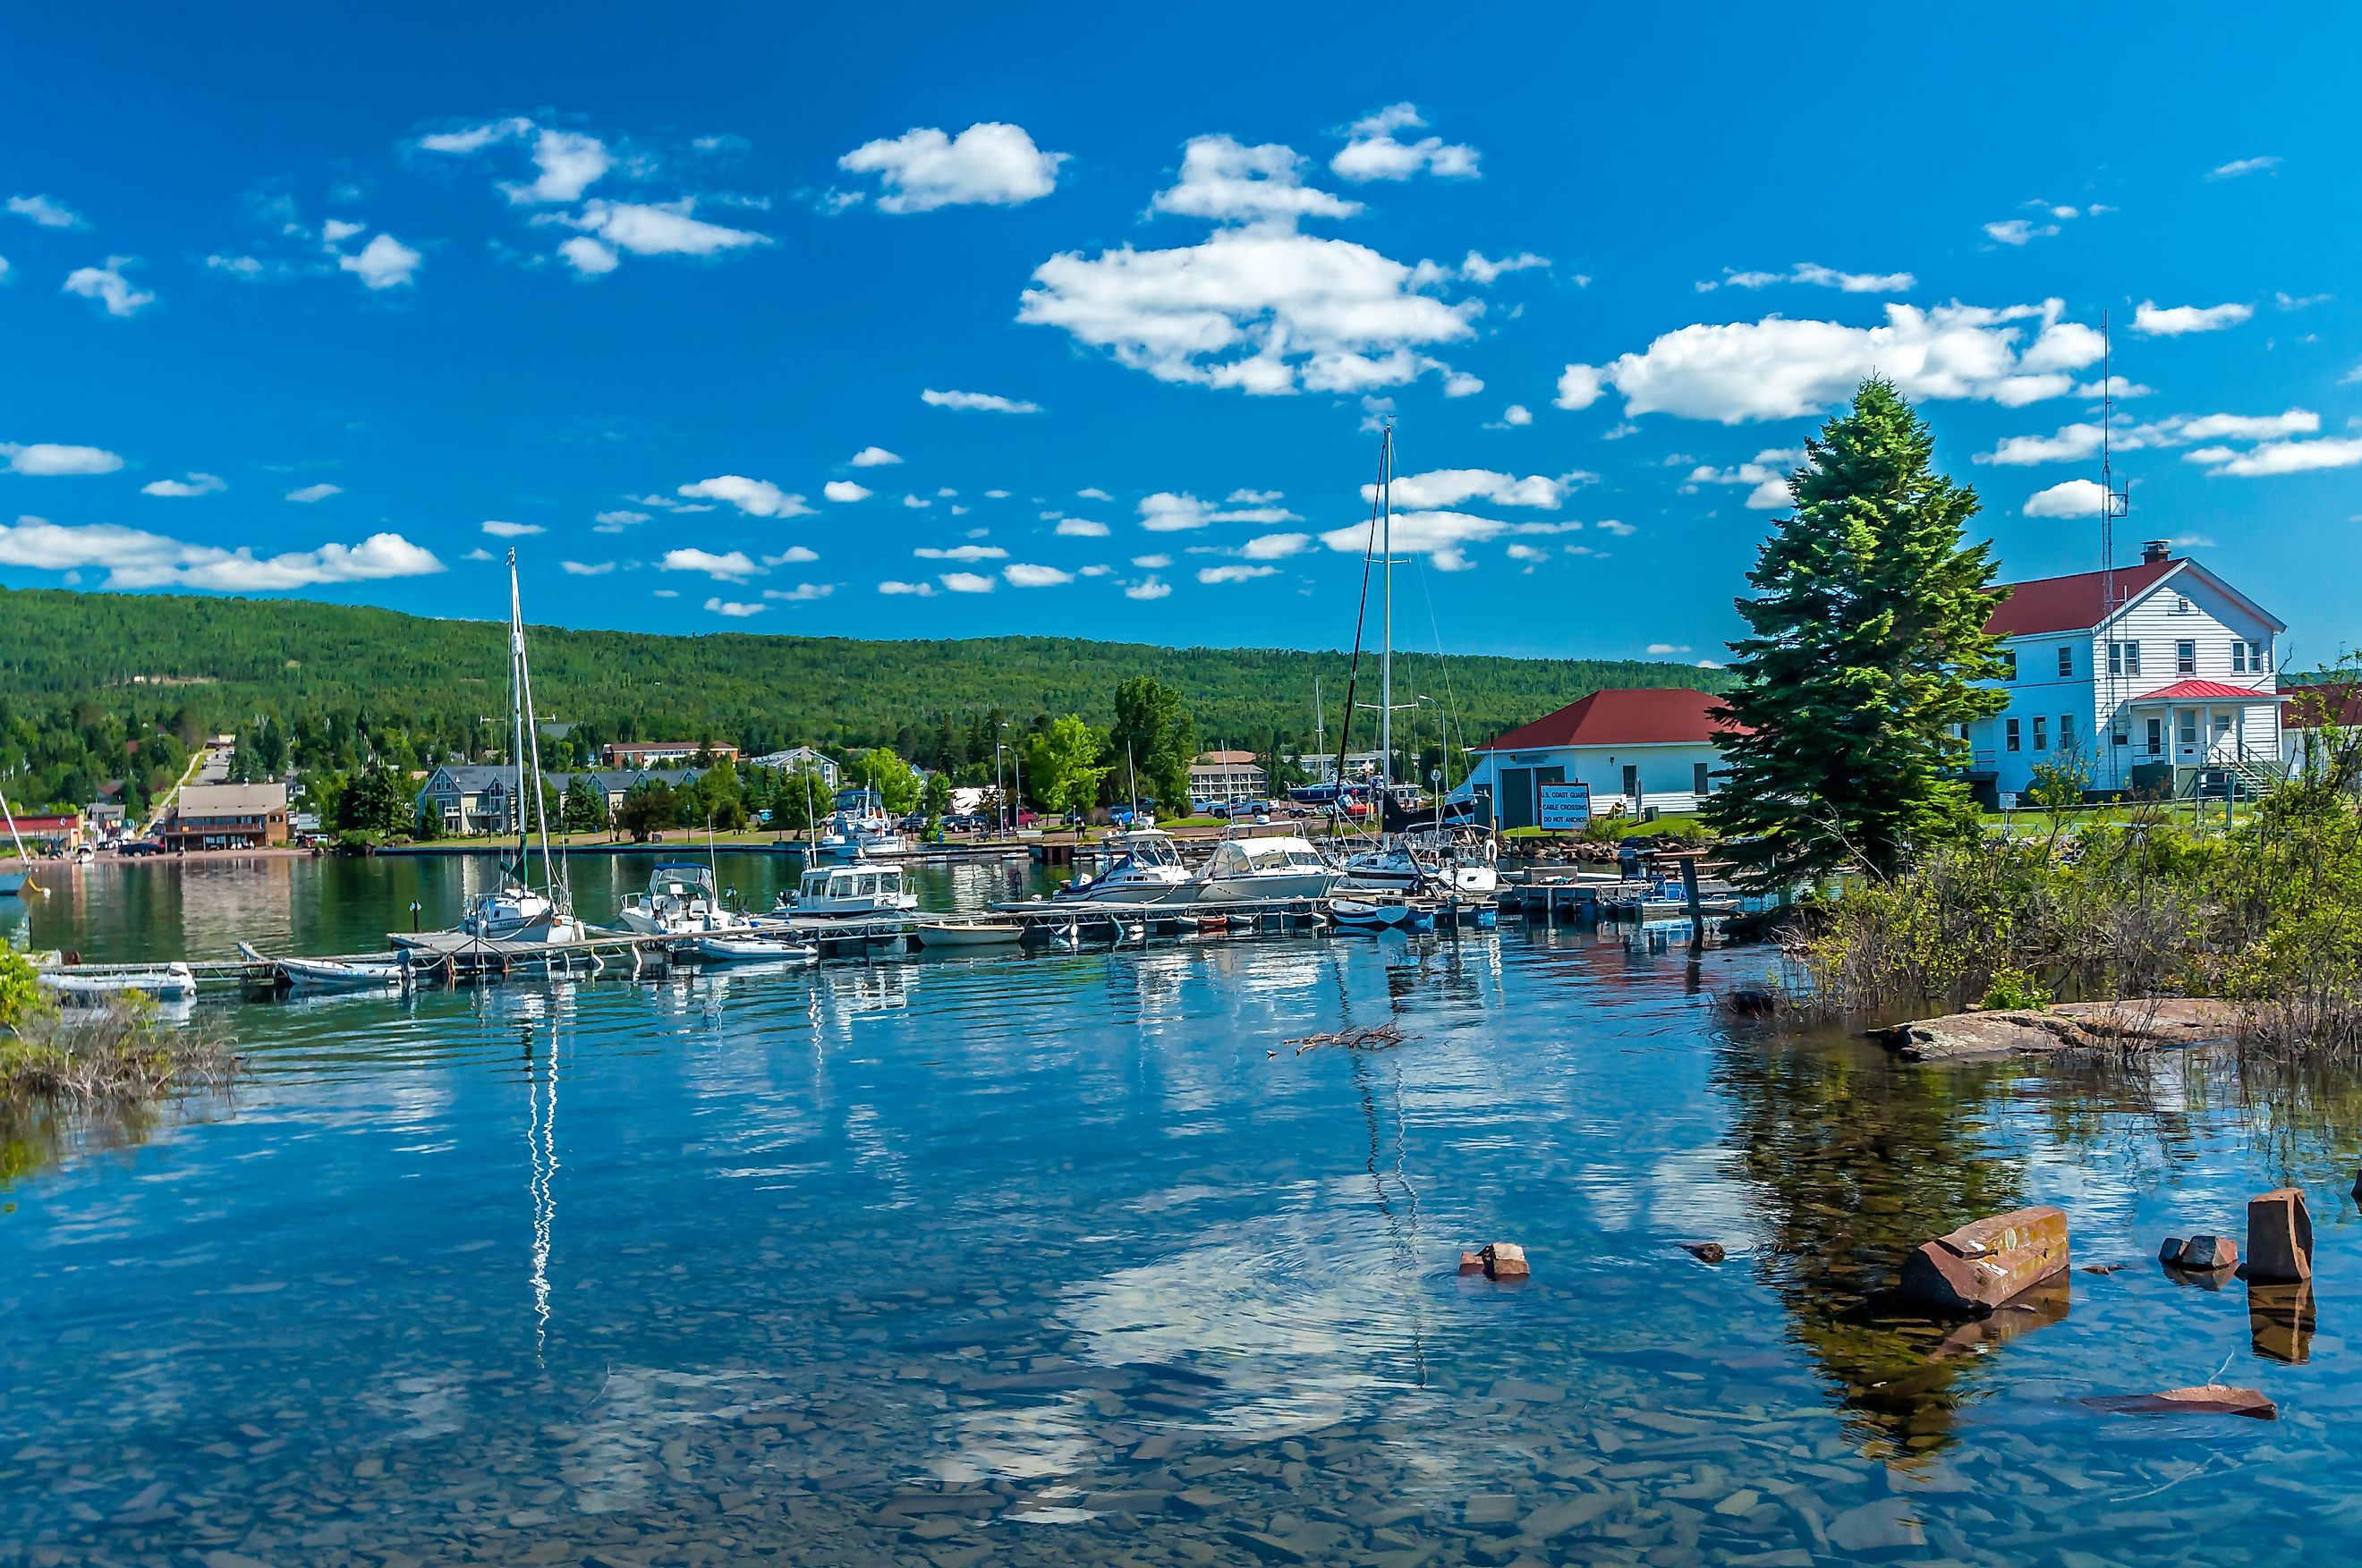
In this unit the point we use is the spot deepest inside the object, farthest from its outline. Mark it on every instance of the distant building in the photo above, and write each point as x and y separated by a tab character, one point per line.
613	782
1321	766
42	831
1223	778
2306	712
799	757
1643	746
104	817
471	797
651	754
226	817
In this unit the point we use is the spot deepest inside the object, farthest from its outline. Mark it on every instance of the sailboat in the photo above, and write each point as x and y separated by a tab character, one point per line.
17	884
1403	860
516	912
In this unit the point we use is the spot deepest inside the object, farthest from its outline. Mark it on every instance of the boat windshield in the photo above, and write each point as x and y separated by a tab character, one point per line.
681	881
1146	849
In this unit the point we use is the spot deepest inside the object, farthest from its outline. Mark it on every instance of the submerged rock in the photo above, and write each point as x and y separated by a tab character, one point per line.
2208	1252
2069	1025
1704	1252
2211	1398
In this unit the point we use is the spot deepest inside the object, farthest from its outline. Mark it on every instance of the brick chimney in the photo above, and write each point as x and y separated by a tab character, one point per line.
2157	551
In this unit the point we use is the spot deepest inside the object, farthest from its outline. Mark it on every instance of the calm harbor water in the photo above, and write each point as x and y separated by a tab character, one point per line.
1077	1258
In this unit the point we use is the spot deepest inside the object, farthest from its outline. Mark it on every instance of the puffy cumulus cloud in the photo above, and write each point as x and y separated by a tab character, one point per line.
961	553
383	263
756	498
474	138
979	402
2238	166
567	163
1779	368
845	490
1767	472
1149	588
49	459
616	520
1170	512
1093	493
2073	498
733	608
1477	268
2175	321
1440	536
514	530
114	293
1818	275
2044	222
1151	563
189	485
965	582
2075	443
311	495
1373	151
1082	528
989	164
1262	309
916	590
1274	546
137	559
245	266
1516	414
733	566
1234	573
1451	487
586	568
793	555
1229	182
917	503
1024	574
874	457
1245	497
46	211
588	256
649	228
2281	457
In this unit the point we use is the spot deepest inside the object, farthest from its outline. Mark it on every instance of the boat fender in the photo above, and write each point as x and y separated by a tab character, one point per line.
1492	851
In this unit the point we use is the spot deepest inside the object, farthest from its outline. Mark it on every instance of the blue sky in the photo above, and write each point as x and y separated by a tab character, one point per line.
939	323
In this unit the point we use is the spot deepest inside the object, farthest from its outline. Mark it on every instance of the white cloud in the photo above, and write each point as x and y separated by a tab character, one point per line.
990	164
1098	571
308	495
2078	442
1779	368
1818	276
109	287
961	553
845	490
734	608
2175	320
1229	182
46	211
1093	493
335	231
983	402
2281	457
1476	268
193	485
3	269
2071	498
2249	427
1669	647
1449	486
1529	553
756	498
917	503
1440	536
481	553
569	163
802	592
1609	525
1151	563
732	568
660	228
2017	231
1517	413
2239	166
383	263
989	494
654	593
514	530
917	590
1168	512
616	521
475	138
1275	546
245	266
1082	528
1148	588
793	555
874	457
965	582
590	258
586	568
136	559
49	459
1768	473
1375	152
1234	573
1023	575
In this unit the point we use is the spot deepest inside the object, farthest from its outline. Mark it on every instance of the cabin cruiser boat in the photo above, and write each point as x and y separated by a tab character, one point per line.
1283	867
855	835
1453	866
680	902
1147	870
843	892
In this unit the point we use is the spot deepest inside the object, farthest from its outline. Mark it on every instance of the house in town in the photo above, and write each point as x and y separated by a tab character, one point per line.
656	753
613	783
471	797
799	758
1644	746
226	817
48	833
1223	778
2143	678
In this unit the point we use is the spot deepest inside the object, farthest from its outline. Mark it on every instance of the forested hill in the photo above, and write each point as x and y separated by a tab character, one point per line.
232	660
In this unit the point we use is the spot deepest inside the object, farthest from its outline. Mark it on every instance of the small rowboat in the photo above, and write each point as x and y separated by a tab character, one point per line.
330	974
969	934
174	981
1354	914
758	949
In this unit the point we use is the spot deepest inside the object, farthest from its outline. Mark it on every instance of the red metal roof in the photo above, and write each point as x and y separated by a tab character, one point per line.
2304	708
2197	691
1624	715
2070	604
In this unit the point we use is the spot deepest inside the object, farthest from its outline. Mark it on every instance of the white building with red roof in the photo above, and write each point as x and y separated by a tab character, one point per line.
2158	674
1637	745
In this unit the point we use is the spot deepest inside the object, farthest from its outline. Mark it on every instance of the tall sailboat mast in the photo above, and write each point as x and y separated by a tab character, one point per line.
1386	621
516	714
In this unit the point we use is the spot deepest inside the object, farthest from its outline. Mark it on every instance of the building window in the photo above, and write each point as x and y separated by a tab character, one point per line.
2123	736
2009	733
2180	605
2041	729
2124	658
2238	658
2255	657
1701	779
2067	661
2189	726
2066	732
2009	663
2185	658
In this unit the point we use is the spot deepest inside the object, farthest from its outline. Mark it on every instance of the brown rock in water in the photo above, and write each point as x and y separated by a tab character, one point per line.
1982	1265
1504	1260
2046	1304
1704	1252
2213	1398
2208	1252
2279	1321
2279	1238
2067	1026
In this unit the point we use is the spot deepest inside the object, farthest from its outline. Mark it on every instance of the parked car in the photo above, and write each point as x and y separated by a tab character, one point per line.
141	846
1027	816
1125	817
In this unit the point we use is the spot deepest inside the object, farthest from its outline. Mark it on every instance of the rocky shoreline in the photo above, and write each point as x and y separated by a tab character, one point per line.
2067	1025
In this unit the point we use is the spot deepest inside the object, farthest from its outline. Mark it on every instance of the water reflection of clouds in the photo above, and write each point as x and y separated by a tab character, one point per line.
1028	1444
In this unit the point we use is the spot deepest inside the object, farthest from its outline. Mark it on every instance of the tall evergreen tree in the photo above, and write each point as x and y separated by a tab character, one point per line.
1867	636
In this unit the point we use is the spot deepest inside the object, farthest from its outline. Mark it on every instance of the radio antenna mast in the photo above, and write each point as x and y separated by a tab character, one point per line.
2114	503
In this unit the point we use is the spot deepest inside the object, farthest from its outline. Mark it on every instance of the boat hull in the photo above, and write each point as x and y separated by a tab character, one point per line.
996	934
1285	885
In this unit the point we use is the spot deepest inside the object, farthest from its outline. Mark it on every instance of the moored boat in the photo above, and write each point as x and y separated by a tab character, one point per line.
1146	870
839	892
740	948
1286	866
1378	916
172	981
679	900
968	933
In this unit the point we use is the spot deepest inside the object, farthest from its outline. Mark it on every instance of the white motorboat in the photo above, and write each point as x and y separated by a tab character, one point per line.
83	854
968	933
1283	867
680	902
330	974
739	948
841	892
859	835
1425	863
173	982
1147	870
